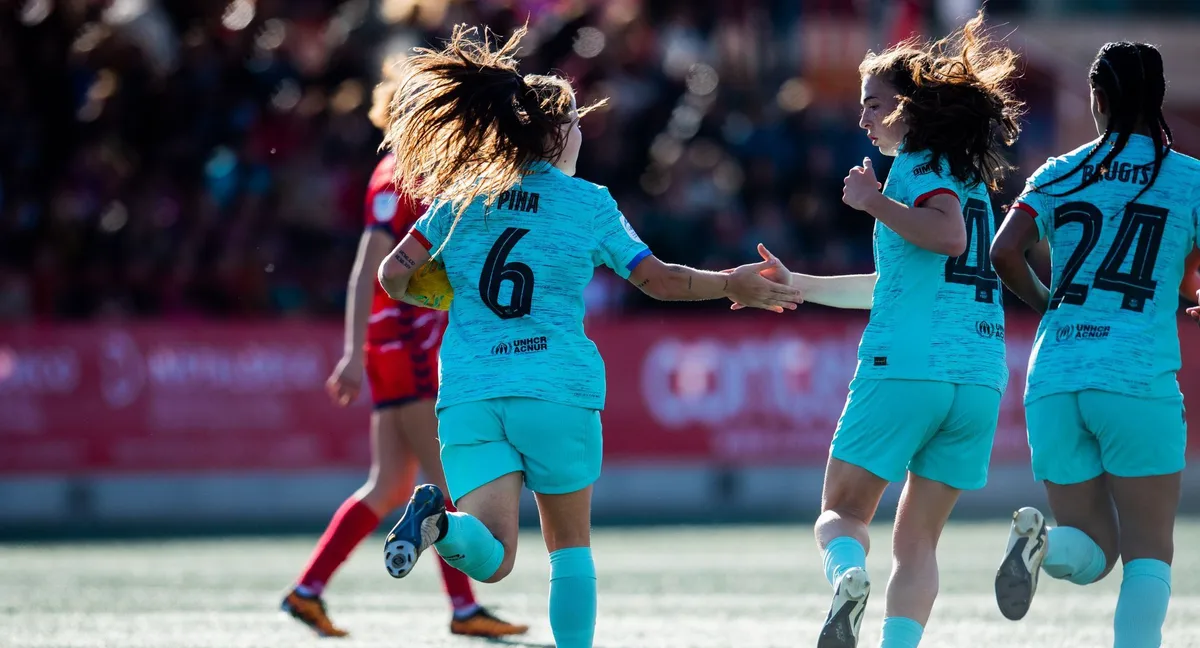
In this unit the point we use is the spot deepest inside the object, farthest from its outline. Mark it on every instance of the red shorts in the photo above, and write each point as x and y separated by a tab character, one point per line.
400	373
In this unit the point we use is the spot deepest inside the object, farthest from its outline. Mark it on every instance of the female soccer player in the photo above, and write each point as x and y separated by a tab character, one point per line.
521	385
925	397
397	345
1103	407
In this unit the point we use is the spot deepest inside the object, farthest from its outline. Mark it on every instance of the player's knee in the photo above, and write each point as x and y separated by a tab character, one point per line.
505	568
848	508
912	543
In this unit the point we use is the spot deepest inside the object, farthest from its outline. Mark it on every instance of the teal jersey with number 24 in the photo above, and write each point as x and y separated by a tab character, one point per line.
519	269
1116	269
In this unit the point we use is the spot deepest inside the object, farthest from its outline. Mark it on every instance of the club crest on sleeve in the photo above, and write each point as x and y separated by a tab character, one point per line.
629	229
384	206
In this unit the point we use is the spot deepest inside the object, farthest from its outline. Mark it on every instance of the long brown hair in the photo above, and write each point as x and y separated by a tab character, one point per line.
956	98
465	123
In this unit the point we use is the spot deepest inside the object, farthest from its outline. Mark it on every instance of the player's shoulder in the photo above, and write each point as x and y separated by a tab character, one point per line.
1181	172
1183	163
1056	165
579	190
918	163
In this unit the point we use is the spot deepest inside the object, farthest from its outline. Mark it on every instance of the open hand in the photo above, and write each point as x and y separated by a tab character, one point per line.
775	272
860	186
763	285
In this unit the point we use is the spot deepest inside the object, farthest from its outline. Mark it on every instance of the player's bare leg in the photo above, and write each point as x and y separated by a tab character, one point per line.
849	500
393	471
566	528
925	505
1146	507
419	421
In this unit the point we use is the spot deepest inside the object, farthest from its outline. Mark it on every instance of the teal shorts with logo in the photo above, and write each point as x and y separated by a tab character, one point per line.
1077	436
558	447
937	430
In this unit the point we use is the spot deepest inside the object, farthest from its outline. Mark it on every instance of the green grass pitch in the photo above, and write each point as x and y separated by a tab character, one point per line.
678	587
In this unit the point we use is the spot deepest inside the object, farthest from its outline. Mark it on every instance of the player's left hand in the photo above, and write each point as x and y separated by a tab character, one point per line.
1194	311
860	186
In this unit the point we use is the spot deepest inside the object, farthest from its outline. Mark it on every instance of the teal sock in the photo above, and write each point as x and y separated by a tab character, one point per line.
469	547
1142	605
573	597
841	554
901	632
1072	555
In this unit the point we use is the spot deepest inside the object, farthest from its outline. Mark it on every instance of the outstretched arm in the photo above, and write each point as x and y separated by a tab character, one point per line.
844	291
671	282
841	291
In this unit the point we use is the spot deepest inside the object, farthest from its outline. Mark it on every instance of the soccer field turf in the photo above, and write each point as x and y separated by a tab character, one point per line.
669	587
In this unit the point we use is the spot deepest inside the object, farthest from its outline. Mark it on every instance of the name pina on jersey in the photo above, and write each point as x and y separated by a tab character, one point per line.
517	200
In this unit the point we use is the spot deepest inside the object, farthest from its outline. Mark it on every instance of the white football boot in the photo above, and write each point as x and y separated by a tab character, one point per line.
846	611
1017	578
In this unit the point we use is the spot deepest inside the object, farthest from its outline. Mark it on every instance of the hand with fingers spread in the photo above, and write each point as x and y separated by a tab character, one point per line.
776	272
860	186
345	382
750	286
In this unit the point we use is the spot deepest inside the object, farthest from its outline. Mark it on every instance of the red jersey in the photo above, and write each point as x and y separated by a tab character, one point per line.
394	323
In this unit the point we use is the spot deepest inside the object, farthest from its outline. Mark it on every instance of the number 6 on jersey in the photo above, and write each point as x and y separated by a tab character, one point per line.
496	271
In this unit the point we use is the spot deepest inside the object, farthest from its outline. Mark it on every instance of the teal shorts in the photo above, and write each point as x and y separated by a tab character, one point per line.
937	430
1077	436
558	447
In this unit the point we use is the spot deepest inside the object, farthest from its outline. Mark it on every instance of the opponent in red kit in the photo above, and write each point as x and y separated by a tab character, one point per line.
397	346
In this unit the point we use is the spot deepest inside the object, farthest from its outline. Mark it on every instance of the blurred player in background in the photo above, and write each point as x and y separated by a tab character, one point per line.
1105	415
521	385
925	397
397	346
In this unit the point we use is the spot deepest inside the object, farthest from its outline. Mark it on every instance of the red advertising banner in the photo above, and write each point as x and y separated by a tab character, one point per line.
237	397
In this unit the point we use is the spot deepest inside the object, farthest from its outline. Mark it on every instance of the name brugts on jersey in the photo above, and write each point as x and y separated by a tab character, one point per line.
1121	172
517	200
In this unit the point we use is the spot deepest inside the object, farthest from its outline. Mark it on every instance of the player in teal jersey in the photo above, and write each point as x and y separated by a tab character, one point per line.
1106	422
925	397
521	385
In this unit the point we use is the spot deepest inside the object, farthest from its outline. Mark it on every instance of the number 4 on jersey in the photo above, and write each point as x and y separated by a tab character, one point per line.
497	269
974	267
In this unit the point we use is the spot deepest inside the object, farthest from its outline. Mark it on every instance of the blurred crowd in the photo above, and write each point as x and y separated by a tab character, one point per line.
203	158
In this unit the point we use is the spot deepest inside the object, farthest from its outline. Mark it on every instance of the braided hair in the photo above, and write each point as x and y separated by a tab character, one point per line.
1130	75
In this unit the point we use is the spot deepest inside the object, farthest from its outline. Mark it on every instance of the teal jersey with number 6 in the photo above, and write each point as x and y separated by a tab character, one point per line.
935	317
519	269
1116	270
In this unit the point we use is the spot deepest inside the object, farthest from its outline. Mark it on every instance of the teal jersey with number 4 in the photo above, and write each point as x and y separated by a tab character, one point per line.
519	269
1116	270
935	317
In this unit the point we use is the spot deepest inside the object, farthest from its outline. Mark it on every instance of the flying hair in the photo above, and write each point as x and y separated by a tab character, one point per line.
956	97
1131	78
465	124
383	94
